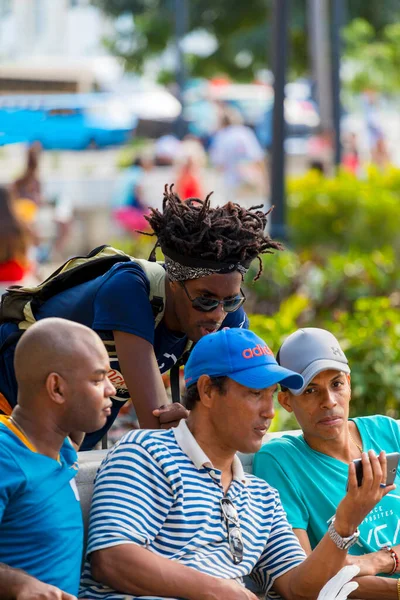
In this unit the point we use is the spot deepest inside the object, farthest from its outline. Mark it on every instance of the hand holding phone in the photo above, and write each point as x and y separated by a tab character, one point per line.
361	499
392	462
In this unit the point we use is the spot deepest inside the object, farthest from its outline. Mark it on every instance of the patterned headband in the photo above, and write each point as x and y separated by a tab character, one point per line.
178	272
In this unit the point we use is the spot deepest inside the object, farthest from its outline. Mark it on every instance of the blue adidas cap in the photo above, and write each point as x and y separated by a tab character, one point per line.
240	355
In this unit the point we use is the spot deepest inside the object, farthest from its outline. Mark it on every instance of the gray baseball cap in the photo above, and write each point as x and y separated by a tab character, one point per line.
310	351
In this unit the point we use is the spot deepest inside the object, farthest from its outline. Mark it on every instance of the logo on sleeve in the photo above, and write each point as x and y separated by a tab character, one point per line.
74	487
166	362
118	382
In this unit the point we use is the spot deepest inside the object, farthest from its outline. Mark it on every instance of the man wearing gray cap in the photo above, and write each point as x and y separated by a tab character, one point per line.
310	471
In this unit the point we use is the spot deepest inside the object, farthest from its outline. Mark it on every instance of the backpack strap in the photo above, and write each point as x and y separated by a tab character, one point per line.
174	382
155	273
174	373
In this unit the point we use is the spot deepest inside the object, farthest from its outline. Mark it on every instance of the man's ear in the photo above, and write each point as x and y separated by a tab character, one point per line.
348	377
55	387
174	285
284	399
205	388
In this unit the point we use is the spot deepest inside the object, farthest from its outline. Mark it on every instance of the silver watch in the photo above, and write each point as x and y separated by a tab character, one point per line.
343	543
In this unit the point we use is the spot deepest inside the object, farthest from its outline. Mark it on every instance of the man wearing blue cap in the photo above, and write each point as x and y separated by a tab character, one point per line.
175	516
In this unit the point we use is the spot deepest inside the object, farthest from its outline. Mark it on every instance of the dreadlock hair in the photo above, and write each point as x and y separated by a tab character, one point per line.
229	233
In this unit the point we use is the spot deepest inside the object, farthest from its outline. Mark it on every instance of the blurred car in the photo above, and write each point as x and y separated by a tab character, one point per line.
155	108
301	117
65	121
250	99
203	101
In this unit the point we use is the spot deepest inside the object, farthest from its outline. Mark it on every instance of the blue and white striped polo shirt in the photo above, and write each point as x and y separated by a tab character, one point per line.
159	490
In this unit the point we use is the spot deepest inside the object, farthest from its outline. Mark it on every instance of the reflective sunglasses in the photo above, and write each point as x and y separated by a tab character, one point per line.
235	539
205	304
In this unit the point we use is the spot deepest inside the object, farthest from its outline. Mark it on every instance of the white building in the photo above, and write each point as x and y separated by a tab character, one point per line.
40	28
54	41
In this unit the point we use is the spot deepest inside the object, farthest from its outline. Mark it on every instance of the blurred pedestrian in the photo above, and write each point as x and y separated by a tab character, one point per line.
165	153
237	153
378	149
190	163
320	150
380	154
127	190
28	187
15	239
166	149
351	158
129	206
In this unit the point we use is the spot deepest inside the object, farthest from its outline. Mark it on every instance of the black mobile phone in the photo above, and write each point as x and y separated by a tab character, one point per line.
392	464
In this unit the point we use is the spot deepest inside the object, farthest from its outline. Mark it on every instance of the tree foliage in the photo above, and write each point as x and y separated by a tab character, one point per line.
378	14
242	31
373	58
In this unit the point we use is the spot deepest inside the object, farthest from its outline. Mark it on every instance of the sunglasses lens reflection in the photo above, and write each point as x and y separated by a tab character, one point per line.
235	539
234	304
236	544
208	304
205	304
230	512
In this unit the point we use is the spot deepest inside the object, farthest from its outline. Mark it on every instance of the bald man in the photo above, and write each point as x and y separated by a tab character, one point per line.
61	369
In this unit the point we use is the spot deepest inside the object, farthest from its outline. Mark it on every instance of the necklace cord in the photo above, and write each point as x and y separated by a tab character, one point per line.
355	443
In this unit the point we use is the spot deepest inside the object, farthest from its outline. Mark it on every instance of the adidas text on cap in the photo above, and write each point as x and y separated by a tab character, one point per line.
240	355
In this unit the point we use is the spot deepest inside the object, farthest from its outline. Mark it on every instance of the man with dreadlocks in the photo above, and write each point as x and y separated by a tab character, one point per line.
207	252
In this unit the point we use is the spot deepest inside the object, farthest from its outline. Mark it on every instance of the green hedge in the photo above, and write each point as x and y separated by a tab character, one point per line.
345	212
330	282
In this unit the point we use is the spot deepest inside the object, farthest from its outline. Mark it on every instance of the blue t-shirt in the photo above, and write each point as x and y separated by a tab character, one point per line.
115	301
41	529
312	484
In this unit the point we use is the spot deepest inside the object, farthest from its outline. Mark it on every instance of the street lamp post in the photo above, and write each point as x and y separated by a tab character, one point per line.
279	60
337	23
181	27
320	54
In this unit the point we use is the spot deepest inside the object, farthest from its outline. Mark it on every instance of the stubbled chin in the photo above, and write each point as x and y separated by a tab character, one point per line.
196	333
204	331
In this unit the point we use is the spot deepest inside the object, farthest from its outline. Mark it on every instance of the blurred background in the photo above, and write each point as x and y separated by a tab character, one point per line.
271	102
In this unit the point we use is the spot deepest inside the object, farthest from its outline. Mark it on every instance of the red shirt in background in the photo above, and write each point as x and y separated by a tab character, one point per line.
12	271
